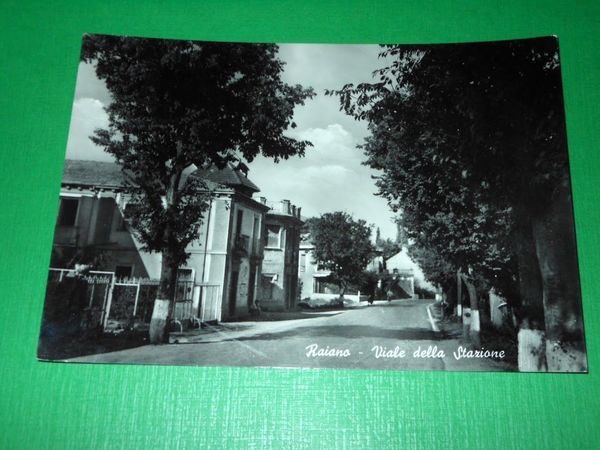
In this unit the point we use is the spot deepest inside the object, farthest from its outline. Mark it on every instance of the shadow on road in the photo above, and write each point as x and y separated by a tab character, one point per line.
275	316
346	331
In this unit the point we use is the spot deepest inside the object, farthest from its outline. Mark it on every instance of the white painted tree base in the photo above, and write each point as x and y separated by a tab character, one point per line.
158	323
532	351
565	357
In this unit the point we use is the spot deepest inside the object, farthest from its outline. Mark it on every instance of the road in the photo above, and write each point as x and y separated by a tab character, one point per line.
341	339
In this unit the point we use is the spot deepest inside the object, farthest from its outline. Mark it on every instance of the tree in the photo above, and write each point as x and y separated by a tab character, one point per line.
466	133
342	246
387	246
180	105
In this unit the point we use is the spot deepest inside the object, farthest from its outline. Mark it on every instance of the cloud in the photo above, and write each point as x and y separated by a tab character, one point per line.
332	145
89	86
329	178
88	115
323	172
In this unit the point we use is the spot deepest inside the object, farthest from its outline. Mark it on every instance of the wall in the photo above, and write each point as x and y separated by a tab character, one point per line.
281	264
97	224
244	263
272	297
306	275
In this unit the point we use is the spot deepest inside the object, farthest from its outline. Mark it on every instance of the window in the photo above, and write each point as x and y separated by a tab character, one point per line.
267	282
274	236
240	218
124	213
302	262
123	271
185	284
255	236
67	214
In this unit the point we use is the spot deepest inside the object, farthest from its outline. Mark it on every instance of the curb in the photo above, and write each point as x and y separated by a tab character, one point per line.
432	321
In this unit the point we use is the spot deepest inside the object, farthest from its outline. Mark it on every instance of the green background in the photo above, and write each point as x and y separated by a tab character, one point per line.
82	406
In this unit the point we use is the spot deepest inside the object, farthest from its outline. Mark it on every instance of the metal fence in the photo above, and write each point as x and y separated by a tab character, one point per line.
128	302
184	294
132	302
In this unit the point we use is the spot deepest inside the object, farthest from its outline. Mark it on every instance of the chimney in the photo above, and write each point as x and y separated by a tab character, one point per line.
263	200
285	206
294	210
298	210
242	168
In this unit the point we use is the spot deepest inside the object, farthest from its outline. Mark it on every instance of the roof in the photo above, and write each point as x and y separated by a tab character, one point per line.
400	261
227	176
109	175
92	173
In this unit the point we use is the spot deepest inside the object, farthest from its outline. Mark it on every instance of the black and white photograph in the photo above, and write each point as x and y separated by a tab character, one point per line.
397	207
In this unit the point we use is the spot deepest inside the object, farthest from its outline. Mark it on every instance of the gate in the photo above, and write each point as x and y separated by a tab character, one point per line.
132	303
210	302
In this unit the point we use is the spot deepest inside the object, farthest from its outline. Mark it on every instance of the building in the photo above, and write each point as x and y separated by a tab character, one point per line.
279	282
377	263
225	261
402	268
90	228
312	279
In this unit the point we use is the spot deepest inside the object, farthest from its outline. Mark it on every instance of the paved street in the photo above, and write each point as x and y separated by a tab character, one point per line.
352	335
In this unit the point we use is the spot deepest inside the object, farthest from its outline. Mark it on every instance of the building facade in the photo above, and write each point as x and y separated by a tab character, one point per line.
312	280
224	267
402	268
279	281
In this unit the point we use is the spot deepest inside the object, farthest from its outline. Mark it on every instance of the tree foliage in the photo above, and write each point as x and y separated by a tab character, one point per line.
387	246
469	140
342	246
179	104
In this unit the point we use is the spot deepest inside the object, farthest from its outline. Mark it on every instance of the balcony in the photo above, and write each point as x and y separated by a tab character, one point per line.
241	245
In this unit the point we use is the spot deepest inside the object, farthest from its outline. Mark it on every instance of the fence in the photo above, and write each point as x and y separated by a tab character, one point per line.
132	302
184	294
128	302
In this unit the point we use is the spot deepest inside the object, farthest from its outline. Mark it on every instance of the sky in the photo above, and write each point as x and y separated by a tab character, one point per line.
329	178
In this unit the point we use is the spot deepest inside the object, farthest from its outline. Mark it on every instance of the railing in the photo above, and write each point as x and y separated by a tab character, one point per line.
133	300
242	244
99	292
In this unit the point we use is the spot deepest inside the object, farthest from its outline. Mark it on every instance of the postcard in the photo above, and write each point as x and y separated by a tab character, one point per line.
401	207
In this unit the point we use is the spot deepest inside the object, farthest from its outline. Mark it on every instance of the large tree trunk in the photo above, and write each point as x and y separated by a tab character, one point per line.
474	322
553	230
530	311
458	296
164	303
165	299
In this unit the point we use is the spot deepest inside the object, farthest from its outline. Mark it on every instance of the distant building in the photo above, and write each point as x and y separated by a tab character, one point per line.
402	268
279	282
377	263
312	279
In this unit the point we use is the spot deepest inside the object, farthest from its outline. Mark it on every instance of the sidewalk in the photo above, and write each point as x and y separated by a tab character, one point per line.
452	330
267	322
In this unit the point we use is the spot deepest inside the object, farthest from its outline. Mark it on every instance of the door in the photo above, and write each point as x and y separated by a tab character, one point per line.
233	288
251	285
